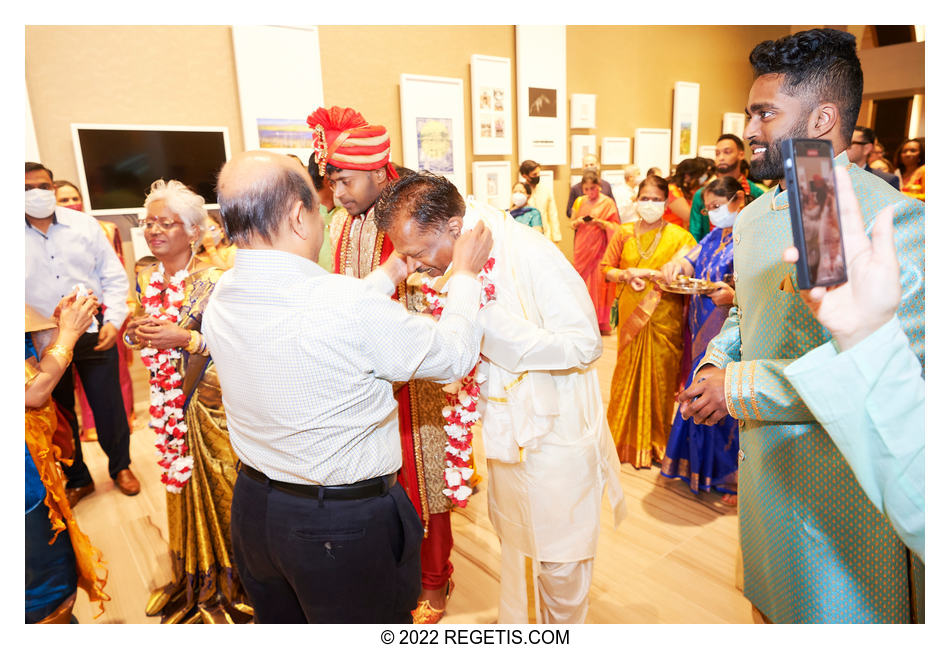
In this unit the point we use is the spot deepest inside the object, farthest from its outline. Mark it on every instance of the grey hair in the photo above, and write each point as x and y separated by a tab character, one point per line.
188	205
631	171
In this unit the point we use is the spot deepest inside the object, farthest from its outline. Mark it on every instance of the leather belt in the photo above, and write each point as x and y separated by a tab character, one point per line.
370	488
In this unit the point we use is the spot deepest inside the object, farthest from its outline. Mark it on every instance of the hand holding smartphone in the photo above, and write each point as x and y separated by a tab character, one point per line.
813	207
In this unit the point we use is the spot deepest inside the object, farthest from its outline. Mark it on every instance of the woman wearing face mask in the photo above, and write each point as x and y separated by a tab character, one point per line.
706	457
520	210
650	330
594	220
690	175
67	195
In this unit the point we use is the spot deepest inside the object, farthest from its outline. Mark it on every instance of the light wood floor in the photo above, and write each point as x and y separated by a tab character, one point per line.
672	560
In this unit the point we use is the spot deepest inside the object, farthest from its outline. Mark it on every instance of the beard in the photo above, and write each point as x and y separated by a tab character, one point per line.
769	166
727	169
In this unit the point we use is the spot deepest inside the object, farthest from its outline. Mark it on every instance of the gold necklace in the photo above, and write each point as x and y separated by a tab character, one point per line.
653	245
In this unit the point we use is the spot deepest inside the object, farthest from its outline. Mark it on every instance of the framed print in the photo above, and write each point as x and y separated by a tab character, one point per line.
492	183
491	105
733	123
685	120
582	145
583	111
433	126
615	151
651	148
541	73
707	151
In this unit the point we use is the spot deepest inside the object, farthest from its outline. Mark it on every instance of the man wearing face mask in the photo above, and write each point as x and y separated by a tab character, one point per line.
66	248
541	197
590	164
814	546
353	157
730	153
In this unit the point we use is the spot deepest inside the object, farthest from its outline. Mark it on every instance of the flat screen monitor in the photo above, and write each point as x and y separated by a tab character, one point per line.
118	162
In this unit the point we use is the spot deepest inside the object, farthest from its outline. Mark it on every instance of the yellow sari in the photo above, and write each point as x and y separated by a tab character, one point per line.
206	586
650	345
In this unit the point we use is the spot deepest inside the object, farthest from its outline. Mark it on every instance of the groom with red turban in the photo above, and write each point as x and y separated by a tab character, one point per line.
354	158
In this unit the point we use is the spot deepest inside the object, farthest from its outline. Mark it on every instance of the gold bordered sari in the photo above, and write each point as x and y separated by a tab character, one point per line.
649	346
206	585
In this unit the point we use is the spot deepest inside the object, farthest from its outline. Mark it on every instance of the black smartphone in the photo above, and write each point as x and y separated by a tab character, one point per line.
813	204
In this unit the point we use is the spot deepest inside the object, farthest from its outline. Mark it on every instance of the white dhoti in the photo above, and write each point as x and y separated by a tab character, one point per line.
541	591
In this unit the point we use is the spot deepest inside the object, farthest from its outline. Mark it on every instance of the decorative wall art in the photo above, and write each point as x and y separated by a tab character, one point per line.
491	105
541	65
583	111
582	145
433	126
733	123
651	148
276	98
492	183
615	151
685	120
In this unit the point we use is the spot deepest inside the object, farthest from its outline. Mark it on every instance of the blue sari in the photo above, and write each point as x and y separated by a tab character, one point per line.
706	457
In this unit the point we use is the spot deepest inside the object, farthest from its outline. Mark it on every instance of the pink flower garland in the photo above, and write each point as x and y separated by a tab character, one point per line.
167	399
461	413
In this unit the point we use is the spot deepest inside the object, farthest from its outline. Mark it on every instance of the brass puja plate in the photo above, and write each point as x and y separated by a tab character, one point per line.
688	286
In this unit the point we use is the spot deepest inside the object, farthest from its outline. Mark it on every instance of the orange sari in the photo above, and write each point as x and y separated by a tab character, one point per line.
590	242
649	348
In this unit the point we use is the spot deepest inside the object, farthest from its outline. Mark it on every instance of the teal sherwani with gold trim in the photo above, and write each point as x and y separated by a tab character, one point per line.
814	547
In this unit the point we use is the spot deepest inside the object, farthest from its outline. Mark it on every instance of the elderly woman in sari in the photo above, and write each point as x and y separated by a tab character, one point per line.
650	343
707	457
594	220
187	414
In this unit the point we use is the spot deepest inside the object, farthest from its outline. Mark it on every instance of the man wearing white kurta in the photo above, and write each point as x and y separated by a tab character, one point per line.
550	453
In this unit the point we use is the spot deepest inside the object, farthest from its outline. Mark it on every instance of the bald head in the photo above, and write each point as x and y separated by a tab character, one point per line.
257	192
589	161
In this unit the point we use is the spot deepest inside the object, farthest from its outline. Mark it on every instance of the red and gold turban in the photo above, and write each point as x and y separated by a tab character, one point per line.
342	138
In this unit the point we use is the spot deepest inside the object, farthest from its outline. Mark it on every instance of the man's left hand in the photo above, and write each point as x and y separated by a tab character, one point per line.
705	399
396	268
107	337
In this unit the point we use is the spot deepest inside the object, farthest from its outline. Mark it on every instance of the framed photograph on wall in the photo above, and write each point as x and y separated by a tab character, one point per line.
707	151
491	105
615	151
685	120
492	183
612	176
582	145
541	67
733	123
432	111
276	98
583	111
651	148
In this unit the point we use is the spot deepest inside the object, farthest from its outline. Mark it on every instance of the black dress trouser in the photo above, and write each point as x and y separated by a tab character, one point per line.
326	561
99	374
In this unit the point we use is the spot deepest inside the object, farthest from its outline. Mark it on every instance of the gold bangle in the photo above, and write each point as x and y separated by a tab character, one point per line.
195	343
61	352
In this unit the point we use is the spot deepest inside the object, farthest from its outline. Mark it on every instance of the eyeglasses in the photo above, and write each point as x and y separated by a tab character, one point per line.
163	225
705	212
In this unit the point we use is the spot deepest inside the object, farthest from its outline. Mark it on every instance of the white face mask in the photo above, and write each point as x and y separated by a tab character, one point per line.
519	199
40	203
651	211
721	217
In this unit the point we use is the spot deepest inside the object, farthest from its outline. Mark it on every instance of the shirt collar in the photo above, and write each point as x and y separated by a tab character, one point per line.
61	216
259	261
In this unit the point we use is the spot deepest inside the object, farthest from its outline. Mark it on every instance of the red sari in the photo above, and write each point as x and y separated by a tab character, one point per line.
590	243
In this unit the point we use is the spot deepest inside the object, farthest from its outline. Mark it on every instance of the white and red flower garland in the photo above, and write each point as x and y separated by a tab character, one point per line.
167	399
461	413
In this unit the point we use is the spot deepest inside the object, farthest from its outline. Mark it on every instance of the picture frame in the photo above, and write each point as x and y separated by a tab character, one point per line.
583	111
707	151
582	145
685	120
432	115
274	98
491	105
733	123
541	73
491	183
615	150
651	148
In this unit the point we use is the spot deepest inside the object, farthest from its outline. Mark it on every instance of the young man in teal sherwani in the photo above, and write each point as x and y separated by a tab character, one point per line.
814	546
